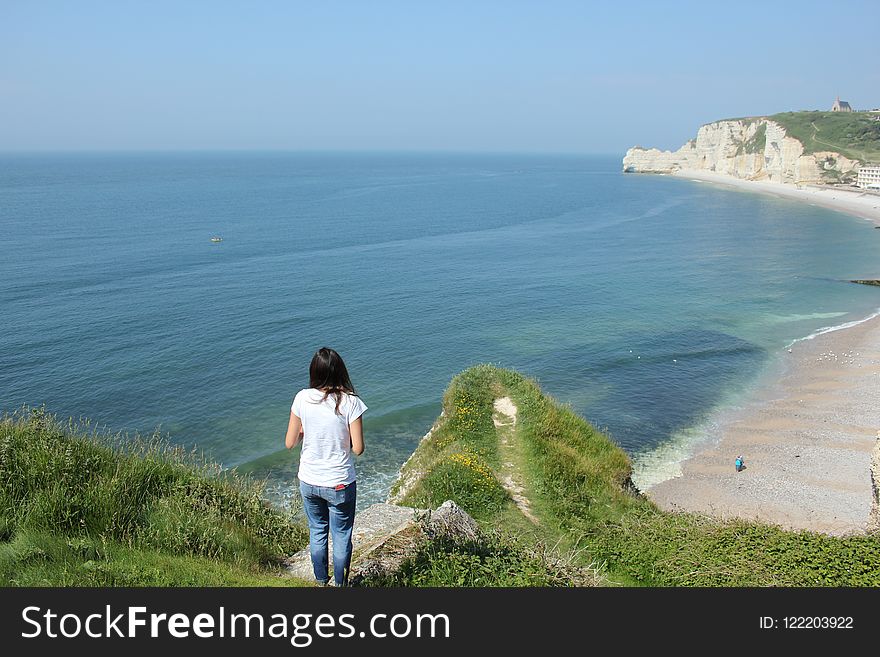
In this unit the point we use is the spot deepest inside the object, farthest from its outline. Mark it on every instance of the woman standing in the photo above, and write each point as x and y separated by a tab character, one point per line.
326	416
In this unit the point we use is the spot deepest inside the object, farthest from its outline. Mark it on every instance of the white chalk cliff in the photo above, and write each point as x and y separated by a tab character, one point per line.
751	149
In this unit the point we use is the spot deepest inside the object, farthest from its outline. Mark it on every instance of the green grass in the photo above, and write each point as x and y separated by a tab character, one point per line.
579	484
852	134
499	559
41	559
80	507
654	548
462	455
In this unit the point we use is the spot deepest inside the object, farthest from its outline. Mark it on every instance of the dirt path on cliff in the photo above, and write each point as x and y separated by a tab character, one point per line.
510	451
834	147
816	139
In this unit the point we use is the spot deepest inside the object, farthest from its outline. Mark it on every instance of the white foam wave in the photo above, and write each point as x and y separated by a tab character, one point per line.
837	327
664	461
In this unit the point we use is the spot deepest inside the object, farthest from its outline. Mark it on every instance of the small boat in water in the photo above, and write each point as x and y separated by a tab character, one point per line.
216	239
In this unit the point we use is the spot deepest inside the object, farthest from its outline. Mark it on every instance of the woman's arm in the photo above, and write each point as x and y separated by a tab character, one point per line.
357	436
294	432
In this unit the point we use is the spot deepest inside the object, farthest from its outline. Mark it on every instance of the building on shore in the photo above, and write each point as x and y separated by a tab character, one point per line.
869	178
841	106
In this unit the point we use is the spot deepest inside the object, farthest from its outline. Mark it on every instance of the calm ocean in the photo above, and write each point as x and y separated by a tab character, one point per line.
645	302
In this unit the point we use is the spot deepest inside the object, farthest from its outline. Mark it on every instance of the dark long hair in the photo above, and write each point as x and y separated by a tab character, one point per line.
328	373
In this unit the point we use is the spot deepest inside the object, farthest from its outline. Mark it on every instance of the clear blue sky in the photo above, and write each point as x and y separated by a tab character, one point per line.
412	75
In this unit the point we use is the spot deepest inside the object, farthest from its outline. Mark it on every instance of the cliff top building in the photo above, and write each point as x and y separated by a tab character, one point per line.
841	106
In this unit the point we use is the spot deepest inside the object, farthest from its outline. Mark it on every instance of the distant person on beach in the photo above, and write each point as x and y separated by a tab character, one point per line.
739	463
326	416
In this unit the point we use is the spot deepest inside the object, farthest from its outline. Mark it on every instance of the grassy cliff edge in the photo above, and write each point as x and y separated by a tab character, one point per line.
80	508
577	482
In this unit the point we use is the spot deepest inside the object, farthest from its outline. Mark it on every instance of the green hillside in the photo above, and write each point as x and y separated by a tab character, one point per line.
855	135
79	508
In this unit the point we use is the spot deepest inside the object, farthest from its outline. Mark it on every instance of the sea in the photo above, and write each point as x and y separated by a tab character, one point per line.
646	303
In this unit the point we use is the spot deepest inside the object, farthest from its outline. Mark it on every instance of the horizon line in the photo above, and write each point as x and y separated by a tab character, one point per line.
315	151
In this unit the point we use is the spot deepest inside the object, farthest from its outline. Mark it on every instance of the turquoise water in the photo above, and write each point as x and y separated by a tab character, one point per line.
643	301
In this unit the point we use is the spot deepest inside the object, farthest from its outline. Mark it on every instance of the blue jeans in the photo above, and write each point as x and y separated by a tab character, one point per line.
328	508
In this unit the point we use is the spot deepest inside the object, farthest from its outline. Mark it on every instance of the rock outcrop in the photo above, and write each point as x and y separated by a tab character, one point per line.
448	522
386	535
751	149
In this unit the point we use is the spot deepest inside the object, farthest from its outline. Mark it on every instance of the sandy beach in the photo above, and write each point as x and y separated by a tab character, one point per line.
852	201
810	437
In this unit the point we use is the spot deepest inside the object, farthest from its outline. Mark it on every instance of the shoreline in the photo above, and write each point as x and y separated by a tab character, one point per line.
810	437
862	204
809	432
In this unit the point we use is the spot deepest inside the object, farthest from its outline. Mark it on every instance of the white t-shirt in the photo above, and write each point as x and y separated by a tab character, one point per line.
326	458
